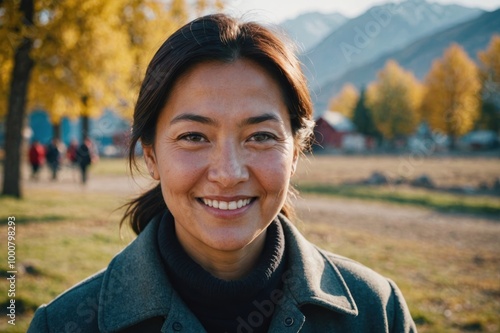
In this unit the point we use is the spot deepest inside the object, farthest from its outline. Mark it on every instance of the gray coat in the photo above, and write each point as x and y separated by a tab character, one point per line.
322	292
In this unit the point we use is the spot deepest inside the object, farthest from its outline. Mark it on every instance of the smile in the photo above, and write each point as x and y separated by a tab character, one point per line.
227	205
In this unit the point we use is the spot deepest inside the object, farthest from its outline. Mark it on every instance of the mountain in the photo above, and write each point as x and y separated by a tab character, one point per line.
473	36
379	30
309	29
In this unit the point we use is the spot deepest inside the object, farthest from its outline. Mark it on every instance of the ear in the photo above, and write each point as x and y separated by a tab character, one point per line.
150	159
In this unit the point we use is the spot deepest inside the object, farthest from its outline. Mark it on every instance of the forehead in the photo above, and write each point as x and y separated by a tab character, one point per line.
242	84
241	74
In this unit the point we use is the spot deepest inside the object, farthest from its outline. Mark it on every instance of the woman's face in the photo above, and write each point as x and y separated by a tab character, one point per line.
224	155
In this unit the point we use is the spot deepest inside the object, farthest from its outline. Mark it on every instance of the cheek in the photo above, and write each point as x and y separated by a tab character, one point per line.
273	171
181	170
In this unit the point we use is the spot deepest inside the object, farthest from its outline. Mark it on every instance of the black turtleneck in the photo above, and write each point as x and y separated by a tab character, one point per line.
222	305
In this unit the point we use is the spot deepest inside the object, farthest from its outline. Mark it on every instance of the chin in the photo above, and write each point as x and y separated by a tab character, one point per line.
232	241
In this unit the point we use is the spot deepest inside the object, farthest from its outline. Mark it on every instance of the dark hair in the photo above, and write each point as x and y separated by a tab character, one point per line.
221	38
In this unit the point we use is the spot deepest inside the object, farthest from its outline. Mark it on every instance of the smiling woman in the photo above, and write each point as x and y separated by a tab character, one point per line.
222	116
210	154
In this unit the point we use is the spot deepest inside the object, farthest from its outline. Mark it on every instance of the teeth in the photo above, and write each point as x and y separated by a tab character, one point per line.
224	205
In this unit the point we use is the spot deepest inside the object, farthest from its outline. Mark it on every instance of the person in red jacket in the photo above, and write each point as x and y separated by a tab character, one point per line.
36	158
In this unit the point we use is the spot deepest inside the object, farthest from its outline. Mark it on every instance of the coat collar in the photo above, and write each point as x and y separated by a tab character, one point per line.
135	286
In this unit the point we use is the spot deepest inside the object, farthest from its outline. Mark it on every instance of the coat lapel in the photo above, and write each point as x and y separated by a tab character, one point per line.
311	277
135	286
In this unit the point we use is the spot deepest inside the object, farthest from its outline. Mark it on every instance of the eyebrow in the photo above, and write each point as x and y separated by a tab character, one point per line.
261	119
210	121
194	118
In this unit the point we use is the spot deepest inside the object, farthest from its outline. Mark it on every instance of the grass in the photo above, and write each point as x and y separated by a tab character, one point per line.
447	289
444	171
63	237
443	202
110	167
67	236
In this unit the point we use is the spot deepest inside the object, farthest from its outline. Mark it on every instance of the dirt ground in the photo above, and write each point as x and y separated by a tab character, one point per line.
388	237
384	219
402	222
444	171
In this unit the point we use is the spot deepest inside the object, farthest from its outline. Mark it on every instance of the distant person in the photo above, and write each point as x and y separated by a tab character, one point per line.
36	156
53	156
85	156
223	115
71	155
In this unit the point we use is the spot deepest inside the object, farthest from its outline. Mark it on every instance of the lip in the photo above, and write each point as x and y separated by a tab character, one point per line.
227	213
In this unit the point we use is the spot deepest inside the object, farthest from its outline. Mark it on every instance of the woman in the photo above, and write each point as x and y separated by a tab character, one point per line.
36	156
222	116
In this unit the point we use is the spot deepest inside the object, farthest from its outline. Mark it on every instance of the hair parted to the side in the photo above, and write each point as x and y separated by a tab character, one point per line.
222	38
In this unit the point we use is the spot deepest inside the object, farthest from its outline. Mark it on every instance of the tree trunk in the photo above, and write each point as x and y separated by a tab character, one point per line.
56	130
85	119
453	142
85	126
16	108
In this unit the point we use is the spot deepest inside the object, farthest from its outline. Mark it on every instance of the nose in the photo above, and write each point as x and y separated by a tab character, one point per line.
228	165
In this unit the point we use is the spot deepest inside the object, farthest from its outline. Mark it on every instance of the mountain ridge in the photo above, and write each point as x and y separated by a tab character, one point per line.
310	28
379	30
473	35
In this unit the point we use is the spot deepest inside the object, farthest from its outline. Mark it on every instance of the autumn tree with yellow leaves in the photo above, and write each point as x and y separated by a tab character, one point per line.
76	58
452	88
489	70
79	69
345	101
16	42
394	100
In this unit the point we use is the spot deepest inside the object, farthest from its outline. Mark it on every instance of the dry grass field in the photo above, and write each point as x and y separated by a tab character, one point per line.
446	263
444	171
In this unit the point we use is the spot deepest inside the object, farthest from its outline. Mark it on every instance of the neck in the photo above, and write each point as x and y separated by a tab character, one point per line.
225	265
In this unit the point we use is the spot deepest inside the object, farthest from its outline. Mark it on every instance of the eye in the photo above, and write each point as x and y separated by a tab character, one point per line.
192	137
262	137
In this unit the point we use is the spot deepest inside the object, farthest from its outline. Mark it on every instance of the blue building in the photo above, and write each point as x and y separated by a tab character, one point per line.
105	131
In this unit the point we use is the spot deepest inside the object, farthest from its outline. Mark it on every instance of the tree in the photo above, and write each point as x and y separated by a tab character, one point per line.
362	118
22	65
94	53
84	56
489	70
9	40
345	101
451	101
394	100
83	62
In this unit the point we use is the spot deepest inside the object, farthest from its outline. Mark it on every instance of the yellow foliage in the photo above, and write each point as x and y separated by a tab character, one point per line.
394	100
5	73
219	5
345	101
490	68
179	11
89	50
9	39
451	102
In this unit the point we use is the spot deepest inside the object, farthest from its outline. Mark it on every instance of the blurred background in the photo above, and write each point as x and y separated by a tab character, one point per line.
404	175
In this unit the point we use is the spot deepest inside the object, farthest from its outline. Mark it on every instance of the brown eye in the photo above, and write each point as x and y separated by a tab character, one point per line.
262	137
193	137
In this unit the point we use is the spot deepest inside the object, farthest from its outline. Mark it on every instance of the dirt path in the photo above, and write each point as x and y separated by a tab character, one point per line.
403	222
385	219
69	180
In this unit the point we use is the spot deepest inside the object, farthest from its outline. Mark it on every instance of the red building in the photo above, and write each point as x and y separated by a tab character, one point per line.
331	130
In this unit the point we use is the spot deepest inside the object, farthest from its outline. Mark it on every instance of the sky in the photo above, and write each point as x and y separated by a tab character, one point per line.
276	11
